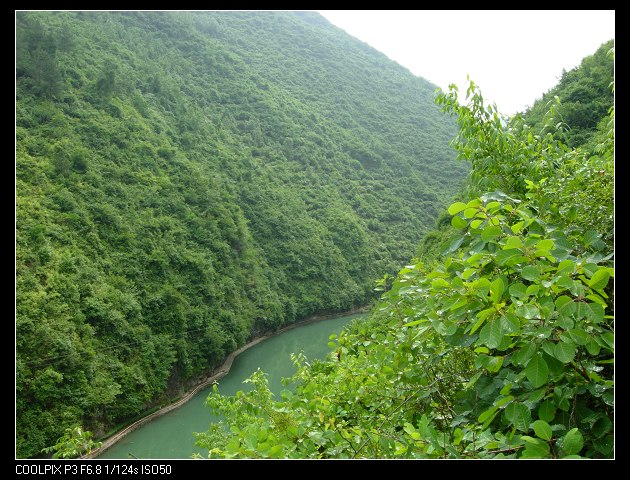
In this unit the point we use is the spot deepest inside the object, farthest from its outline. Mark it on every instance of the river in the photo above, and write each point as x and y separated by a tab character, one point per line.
170	435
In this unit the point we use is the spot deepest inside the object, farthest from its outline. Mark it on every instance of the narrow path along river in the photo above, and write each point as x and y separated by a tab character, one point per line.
171	435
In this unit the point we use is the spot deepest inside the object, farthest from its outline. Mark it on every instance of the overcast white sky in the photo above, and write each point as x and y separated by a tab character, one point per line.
514	56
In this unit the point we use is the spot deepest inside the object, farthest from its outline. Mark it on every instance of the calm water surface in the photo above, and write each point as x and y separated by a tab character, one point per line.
170	436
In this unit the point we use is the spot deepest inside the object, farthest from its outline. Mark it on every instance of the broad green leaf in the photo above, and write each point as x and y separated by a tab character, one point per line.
556	367
474	378
592	311
566	323
547	411
601	427
534	448
440	283
483	315
458	223
490	233
475	259
456	282
527	311
579	336
510	257
537	371
517	227
481	360
548	348
604	445
598	299
470	212
494	364
544	332
607	339
565	305
447	327
456	208
476	246
275	451
503	400
475	224
510	323
492	333
477	324
524	354
608	398
413	433
518	415
497	287
589	269
506	343
566	267
533	289
492	206
497	195
590	236
455	302
536	396
506	389
572	442
565	281
542	429
475	202
518	290
547	306
458	435
530	273
466	274
513	242
546	244
491	412
564	351
562	300
593	347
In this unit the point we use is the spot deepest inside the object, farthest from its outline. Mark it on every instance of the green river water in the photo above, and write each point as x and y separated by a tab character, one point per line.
170	436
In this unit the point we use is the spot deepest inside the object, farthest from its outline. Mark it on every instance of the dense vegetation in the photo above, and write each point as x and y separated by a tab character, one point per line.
585	96
501	345
185	181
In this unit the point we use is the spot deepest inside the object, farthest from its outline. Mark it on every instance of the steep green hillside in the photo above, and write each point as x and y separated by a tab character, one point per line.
187	180
585	97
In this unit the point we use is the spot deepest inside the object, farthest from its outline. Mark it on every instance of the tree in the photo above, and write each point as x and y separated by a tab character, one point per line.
74	443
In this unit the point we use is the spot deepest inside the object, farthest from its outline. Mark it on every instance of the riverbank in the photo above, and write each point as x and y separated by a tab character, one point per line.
216	375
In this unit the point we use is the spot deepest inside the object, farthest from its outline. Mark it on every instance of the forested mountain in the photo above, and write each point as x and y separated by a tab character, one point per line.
185	181
585	97
496	341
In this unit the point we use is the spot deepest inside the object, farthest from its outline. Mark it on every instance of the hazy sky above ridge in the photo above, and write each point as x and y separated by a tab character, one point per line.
514	56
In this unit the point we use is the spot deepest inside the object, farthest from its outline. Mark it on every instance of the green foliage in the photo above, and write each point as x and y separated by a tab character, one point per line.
74	443
502	348
188	180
